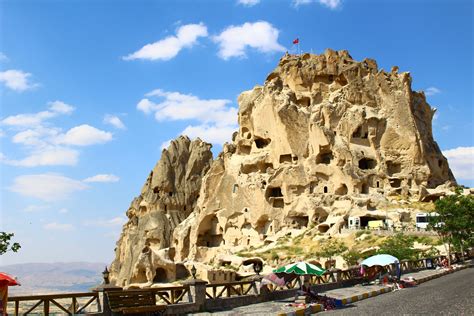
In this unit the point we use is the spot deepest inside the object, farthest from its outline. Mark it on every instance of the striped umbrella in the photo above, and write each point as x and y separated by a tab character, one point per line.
300	268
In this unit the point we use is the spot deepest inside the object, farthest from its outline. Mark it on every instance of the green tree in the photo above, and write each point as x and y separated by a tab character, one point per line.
352	257
5	240
331	248
399	246
454	222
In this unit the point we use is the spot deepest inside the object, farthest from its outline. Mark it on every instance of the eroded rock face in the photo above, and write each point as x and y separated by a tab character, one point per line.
324	140
145	250
325	137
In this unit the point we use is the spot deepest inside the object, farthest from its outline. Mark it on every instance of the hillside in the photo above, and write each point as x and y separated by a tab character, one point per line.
41	278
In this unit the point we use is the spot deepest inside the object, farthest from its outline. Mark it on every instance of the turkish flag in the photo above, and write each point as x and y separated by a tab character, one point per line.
296	41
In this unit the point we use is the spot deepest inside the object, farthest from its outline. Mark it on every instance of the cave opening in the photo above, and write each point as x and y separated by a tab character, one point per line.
367	163
285	158
262	142
160	276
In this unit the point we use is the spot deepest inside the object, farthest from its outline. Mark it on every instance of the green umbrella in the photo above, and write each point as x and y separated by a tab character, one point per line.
300	268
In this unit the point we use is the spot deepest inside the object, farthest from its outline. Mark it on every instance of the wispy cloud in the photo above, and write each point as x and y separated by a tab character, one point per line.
216	118
461	161
432	91
58	227
114	120
116	221
46	187
104	178
331	4
46	156
17	80
46	144
3	57
210	133
248	3
55	109
167	48
35	208
261	36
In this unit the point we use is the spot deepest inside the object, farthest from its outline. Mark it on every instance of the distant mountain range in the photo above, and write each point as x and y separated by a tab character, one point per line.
42	278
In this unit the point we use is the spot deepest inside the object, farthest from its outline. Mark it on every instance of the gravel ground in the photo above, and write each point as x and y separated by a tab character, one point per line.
452	294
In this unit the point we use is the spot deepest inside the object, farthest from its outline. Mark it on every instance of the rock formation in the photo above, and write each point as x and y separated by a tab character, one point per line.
325	139
170	193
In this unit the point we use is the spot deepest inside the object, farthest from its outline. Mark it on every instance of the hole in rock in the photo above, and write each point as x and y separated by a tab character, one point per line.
367	163
285	158
245	150
395	183
262	142
304	101
342	189
393	168
324	157
160	276
364	188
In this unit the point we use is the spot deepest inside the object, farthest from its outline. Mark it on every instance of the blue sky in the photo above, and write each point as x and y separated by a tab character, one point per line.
92	90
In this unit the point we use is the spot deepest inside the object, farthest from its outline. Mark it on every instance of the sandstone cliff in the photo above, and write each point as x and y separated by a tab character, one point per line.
325	139
168	196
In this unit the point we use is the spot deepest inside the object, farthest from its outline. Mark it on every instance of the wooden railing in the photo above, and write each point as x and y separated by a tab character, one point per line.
77	303
221	290
321	279
171	295
56	303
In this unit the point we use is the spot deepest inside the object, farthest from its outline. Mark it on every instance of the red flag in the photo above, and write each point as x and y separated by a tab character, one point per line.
296	41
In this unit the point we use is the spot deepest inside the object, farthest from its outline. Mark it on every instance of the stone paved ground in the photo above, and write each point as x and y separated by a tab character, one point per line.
452	294
275	307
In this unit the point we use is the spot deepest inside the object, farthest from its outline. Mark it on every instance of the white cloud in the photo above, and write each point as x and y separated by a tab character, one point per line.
234	40
167	48
102	178
211	133
216	118
48	156
58	227
432	91
16	80
248	3
48	145
60	107
84	135
3	57
56	108
146	106
114	120
331	4
28	119
177	106
116	221
46	187
461	162
63	211
35	137
35	208
165	144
